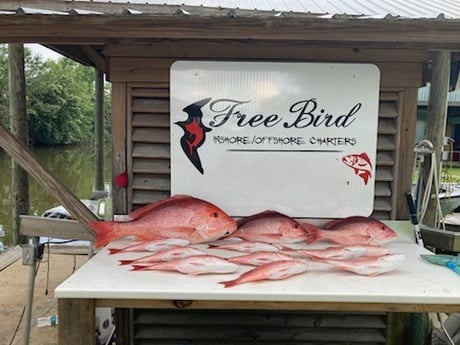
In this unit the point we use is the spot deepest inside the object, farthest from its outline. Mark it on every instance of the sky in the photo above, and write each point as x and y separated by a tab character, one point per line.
44	52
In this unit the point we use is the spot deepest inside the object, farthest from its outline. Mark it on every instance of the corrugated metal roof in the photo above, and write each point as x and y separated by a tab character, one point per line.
413	9
449	9
453	97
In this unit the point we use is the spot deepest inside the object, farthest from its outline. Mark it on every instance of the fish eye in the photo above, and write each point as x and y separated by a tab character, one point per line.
296	226
215	214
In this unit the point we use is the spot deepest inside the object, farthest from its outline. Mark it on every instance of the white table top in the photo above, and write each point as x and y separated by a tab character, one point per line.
415	281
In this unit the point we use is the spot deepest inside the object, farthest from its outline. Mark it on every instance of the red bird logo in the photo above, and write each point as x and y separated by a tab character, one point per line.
194	132
361	164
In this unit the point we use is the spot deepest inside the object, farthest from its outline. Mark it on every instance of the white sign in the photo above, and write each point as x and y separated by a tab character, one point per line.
299	138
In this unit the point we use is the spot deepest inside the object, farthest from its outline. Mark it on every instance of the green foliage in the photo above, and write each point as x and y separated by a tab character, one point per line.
60	99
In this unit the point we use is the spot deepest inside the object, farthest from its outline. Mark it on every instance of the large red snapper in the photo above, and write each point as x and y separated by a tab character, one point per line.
271	227
180	216
355	230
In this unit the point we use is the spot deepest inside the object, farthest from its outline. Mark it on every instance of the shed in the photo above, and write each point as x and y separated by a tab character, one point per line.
135	43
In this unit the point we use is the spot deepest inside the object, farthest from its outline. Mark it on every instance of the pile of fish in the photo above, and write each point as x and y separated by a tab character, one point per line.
276	245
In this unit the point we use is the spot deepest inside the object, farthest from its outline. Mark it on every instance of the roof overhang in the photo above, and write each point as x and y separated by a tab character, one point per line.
82	33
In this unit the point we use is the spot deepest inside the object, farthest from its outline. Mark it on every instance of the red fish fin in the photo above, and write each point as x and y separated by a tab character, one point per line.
124	262
138	268
114	250
313	233
136	214
365	176
104	232
263	214
230	283
365	157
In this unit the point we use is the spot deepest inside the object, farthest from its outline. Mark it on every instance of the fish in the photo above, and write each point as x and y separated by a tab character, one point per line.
180	216
271	227
276	270
344	252
361	165
169	254
248	247
354	230
193	265
259	258
152	246
368	265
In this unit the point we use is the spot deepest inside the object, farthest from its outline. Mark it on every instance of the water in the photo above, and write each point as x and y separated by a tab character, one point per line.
72	165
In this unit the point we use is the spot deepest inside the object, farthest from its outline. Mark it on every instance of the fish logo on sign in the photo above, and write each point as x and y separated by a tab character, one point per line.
361	164
194	132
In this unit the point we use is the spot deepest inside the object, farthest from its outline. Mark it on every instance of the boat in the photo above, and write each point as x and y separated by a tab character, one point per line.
449	198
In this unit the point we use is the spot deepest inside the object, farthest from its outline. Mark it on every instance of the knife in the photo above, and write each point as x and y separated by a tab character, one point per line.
450	261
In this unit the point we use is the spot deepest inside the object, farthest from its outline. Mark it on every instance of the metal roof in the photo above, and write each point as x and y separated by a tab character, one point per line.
453	97
409	9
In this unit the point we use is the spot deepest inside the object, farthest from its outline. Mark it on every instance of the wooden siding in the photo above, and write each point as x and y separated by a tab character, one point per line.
256	327
149	160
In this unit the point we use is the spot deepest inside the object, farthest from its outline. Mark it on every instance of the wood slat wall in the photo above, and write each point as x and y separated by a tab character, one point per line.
255	327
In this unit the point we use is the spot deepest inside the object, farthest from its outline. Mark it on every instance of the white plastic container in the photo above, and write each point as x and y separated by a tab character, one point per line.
51	320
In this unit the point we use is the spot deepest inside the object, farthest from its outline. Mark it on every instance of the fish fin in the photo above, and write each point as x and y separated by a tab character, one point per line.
138	268
229	283
365	175
115	250
124	262
333	223
104	232
140	212
313	234
365	157
263	214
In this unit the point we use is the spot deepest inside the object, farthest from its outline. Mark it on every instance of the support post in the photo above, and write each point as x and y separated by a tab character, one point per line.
99	191
436	120
19	128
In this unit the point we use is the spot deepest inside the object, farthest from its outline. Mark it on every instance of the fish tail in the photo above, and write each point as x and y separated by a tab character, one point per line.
105	232
114	250
124	262
230	283
313	236
138	268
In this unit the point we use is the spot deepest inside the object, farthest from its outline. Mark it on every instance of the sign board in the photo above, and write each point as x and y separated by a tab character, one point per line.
299	138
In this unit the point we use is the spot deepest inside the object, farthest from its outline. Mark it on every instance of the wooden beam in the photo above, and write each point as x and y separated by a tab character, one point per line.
262	49
24	157
52	227
276	305
95	57
397	33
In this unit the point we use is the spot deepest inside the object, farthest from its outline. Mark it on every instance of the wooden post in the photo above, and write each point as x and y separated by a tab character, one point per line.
76	322
99	134
436	119
19	128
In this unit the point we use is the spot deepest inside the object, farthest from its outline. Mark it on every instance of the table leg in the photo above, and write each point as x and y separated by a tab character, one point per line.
76	321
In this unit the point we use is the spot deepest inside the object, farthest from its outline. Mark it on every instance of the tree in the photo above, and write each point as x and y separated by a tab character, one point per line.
60	103
60	100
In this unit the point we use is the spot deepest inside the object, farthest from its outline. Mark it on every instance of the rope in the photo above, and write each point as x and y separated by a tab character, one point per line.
433	178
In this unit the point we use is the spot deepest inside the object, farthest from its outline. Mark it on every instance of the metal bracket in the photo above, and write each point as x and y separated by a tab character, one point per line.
31	253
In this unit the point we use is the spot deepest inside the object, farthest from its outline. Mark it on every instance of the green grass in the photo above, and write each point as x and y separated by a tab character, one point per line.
451	175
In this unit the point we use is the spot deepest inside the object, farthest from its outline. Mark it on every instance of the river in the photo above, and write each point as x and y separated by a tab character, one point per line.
73	166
